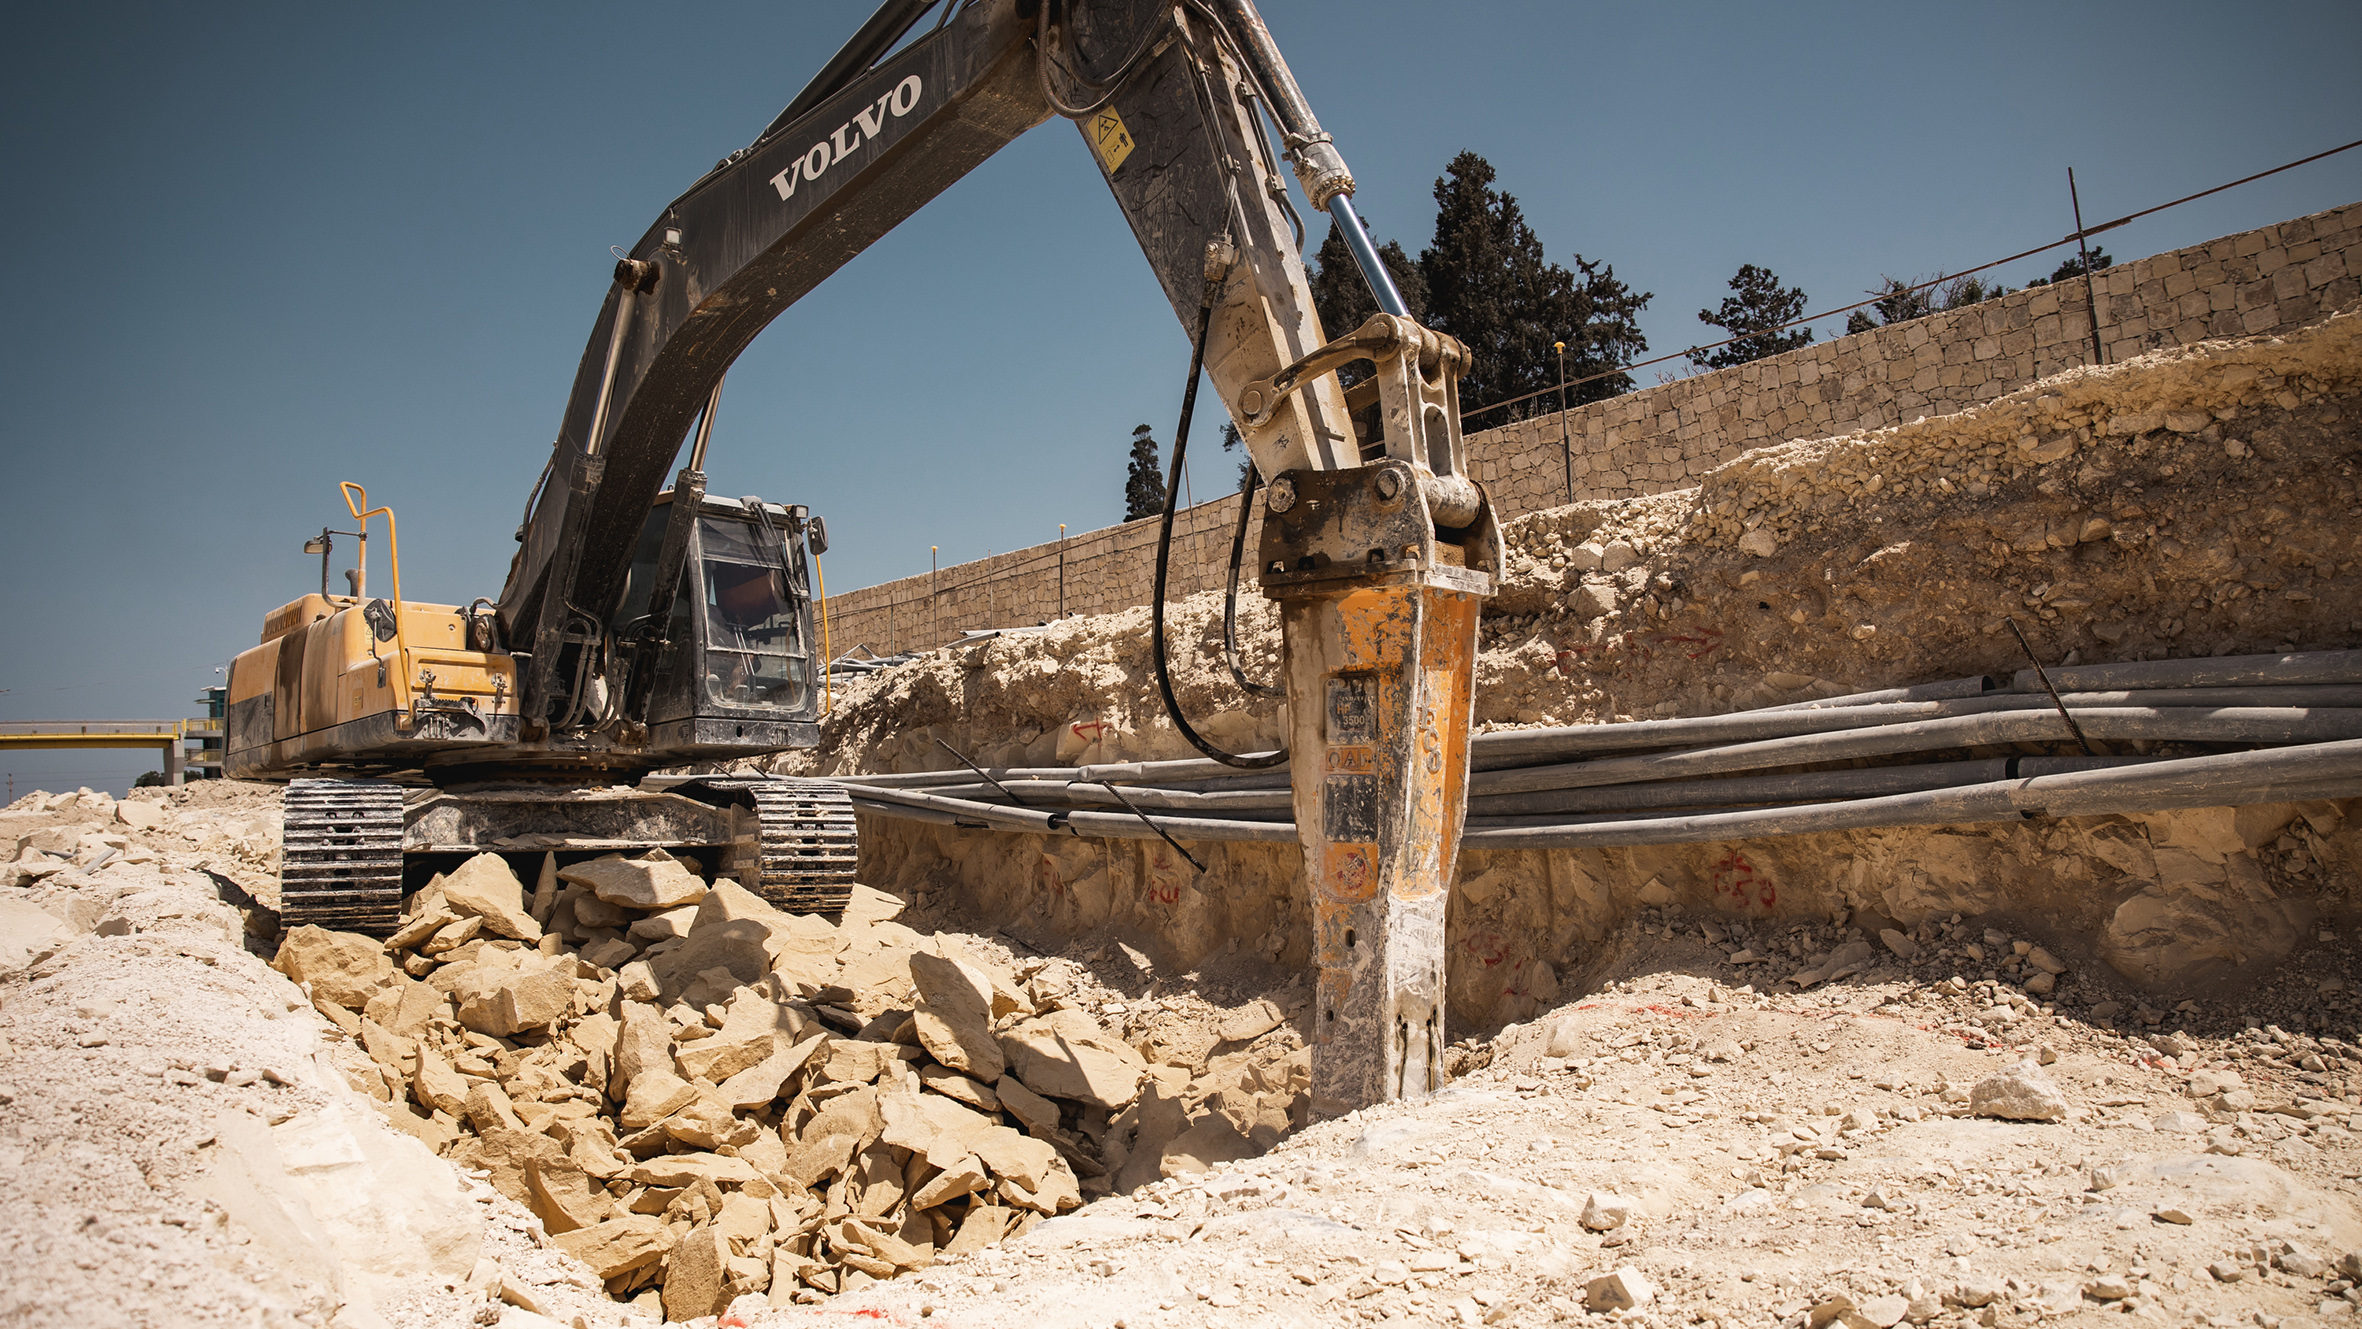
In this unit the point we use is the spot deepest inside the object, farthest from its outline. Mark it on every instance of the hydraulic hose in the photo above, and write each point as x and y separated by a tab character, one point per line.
1164	551
1238	548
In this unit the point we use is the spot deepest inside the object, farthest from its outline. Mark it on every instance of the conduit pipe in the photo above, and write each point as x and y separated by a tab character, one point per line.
1521	745
2313	771
2222	671
2224	725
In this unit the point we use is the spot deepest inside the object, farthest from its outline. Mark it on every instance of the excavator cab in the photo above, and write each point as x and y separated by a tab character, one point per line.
740	654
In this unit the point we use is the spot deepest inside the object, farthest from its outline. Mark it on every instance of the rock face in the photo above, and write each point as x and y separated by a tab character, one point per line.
1916	531
2021	1092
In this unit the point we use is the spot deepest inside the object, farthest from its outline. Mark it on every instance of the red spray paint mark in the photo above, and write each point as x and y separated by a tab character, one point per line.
1164	880
1739	885
1706	641
1486	948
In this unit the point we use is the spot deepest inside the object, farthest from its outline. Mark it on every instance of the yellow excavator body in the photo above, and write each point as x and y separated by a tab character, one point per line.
339	675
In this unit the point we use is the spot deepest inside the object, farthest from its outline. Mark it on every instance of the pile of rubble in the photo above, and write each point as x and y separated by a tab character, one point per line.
702	1096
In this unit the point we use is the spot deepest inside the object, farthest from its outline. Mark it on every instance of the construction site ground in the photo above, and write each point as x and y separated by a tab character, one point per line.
999	1092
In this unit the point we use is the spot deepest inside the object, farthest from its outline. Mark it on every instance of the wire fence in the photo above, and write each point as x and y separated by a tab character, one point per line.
1940	279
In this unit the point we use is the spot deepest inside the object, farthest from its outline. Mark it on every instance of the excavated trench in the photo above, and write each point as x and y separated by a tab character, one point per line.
2191	504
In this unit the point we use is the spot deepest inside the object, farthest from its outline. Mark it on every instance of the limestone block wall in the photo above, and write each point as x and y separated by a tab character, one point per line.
1093	572
2261	281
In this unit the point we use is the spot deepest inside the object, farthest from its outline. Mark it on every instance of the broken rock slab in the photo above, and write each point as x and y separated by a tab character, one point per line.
487	888
343	968
954	1016
507	1002
655	880
27	931
619	1245
1065	1054
1251	1021
1625	1289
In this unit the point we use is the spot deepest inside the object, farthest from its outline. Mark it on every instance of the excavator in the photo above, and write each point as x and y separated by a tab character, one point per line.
646	626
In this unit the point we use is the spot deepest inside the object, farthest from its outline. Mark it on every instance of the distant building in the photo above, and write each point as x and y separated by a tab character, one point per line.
204	733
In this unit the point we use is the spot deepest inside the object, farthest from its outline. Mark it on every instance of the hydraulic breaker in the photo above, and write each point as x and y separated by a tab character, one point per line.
1380	573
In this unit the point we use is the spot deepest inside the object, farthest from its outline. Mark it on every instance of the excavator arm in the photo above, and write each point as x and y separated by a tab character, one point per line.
1376	544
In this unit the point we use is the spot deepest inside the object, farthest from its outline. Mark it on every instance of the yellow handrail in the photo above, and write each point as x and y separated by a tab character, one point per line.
393	536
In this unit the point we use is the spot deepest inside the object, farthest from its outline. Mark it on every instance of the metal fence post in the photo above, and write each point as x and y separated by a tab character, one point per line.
2091	299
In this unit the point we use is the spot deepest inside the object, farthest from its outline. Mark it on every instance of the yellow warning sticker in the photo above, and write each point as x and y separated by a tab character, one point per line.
1109	139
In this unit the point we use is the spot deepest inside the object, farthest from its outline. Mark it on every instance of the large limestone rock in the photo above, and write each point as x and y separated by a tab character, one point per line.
439	1086
487	888
954	1016
696	1279
760	1083
28	930
2206	914
1039	1114
828	1142
655	1094
566	1197
344	968
1066	1055
618	1245
509	1002
716	1059
1209	1143
655	880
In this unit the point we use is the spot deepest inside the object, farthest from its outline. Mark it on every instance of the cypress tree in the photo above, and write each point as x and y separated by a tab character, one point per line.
1144	480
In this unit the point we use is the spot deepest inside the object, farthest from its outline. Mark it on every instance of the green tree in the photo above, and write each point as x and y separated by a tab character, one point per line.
1489	284
1899	301
1144	481
1754	315
2073	267
1961	292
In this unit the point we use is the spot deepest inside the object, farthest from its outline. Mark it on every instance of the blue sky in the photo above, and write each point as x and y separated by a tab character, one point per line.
260	249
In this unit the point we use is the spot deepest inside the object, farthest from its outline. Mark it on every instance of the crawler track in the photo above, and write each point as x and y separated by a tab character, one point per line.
809	845
341	865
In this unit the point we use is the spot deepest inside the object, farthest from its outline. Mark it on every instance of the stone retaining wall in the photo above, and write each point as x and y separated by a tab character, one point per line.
1666	437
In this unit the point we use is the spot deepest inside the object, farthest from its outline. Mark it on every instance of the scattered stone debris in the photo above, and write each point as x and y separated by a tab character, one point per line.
703	1097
